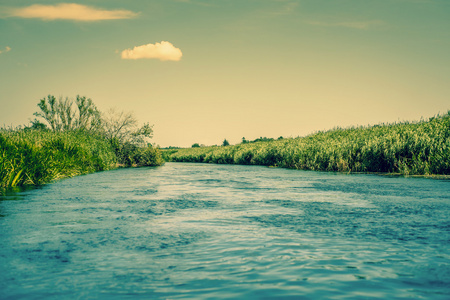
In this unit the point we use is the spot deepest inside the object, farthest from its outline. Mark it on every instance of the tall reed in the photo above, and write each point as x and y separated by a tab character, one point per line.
33	157
409	148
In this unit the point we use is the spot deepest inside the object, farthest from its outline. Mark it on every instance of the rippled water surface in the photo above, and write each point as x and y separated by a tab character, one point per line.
197	231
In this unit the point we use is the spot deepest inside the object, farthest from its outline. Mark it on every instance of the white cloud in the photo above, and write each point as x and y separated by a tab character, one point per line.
70	11
163	51
7	49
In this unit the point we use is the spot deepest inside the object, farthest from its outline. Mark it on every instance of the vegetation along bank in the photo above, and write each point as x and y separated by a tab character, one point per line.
408	148
72	138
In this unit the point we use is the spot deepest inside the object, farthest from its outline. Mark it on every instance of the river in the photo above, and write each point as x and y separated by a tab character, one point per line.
202	231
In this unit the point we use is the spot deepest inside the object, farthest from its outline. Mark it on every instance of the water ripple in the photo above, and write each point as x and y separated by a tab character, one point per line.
197	231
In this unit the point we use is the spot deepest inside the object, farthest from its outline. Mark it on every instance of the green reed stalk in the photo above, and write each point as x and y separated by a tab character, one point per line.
33	157
409	148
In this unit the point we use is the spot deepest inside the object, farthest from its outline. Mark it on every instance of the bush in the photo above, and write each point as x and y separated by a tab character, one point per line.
148	156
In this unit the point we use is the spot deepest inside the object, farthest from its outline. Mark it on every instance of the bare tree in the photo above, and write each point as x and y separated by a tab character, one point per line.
142	135
118	124
122	126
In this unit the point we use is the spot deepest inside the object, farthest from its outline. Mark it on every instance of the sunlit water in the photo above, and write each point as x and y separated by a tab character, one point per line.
197	231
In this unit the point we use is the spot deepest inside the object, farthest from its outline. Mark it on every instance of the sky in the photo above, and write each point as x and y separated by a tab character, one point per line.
201	71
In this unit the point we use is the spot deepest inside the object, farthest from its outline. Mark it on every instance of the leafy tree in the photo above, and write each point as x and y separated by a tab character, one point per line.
61	115
225	143
196	145
244	141
89	117
130	142
48	111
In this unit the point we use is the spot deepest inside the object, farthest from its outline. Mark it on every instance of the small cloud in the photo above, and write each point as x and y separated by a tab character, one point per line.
7	49
163	51
355	25
70	11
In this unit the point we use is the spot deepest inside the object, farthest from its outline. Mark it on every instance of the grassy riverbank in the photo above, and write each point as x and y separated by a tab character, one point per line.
33	157
75	138
408	148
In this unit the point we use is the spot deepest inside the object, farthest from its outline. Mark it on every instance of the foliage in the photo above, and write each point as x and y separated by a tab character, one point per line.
79	139
148	156
225	143
167	152
118	127
262	139
129	155
61	115
141	135
127	139
408	148
37	157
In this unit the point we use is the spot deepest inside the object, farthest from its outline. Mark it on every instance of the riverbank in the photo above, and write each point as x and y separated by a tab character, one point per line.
35	157
407	148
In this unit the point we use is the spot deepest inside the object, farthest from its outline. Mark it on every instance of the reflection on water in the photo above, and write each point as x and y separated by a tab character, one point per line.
202	231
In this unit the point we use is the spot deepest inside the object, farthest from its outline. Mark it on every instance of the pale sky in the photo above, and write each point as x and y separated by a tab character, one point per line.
205	70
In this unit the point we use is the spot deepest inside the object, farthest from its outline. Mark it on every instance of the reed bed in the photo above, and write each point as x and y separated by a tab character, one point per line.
408	148
34	157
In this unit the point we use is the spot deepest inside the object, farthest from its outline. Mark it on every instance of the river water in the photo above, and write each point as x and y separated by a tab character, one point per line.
201	231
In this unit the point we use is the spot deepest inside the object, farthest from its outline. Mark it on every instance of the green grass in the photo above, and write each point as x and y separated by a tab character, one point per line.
33	157
408	148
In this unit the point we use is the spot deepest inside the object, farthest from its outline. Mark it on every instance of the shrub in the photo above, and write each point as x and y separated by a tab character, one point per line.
148	156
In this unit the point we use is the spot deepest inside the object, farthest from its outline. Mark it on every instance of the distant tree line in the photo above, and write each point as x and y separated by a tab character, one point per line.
260	139
225	142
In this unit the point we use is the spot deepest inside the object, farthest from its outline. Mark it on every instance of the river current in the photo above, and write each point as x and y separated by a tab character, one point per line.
201	231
